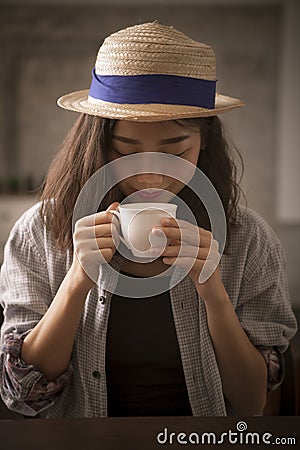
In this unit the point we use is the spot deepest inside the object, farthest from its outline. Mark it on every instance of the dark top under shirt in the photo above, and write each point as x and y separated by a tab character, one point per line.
143	363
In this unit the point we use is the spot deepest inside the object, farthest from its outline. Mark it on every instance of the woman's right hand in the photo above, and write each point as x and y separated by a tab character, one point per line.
44	347
93	244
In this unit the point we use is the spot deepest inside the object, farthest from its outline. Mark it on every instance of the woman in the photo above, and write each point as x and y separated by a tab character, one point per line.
71	347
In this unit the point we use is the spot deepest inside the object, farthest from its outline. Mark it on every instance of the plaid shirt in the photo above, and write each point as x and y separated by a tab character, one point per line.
253	272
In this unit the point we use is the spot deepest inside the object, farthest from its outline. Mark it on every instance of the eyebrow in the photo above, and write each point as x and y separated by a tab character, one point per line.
172	140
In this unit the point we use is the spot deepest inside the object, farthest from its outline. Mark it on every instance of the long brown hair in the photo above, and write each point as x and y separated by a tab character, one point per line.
86	149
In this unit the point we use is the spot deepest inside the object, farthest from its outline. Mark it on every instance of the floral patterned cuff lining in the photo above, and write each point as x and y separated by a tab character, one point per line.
24	382
275	364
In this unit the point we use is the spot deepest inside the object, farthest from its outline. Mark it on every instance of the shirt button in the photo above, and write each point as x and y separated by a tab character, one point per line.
102	299
96	374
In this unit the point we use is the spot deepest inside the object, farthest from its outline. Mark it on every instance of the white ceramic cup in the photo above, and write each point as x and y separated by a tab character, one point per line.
137	221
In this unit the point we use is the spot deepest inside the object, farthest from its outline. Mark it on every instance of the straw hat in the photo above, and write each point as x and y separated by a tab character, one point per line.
151	72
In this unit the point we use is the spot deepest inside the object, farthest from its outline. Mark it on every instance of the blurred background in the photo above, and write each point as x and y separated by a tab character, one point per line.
48	48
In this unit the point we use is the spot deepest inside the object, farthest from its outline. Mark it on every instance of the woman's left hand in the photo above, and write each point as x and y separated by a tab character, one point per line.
193	248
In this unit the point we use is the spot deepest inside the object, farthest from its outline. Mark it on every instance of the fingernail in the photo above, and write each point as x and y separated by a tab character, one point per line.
166	221
167	260
155	251
157	232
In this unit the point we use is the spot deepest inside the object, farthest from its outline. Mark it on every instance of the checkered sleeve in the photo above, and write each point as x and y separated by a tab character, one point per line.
25	297
264	306
23	385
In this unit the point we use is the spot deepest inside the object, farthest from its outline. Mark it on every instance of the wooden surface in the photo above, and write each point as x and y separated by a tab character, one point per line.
139	433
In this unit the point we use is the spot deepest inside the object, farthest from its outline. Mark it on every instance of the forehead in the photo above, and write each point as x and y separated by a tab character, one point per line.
152	129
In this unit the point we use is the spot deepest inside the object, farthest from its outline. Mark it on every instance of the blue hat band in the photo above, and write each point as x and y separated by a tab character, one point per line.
145	89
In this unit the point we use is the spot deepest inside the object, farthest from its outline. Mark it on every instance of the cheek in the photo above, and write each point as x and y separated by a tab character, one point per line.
122	185
126	185
194	156
175	186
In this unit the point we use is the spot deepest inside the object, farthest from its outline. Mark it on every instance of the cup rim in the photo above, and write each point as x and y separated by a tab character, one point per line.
140	206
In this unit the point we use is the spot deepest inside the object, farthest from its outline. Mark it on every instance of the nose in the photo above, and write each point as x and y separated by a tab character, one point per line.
150	179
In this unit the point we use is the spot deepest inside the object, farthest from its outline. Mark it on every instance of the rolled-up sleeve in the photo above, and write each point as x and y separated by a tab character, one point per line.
264	307
24	388
25	296
275	366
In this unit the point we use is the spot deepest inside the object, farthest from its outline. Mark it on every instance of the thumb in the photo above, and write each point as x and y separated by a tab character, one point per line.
114	220
113	206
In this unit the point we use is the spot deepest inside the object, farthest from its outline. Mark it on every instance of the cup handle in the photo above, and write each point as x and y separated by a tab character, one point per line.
117	214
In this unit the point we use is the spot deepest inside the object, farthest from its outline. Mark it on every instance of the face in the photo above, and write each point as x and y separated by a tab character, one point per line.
165	137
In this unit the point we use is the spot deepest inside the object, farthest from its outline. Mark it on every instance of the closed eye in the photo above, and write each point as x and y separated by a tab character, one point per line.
165	153
119	153
177	154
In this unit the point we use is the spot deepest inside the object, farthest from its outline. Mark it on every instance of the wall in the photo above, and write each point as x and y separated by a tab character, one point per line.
50	50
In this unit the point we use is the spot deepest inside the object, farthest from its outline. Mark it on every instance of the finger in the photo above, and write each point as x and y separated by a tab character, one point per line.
175	242
113	206
106	242
107	253
103	217
83	235
184	251
113	219
185	262
177	223
184	225
189	231
107	229
190	235
98	218
170	232
214	247
178	234
87	221
199	269
106	216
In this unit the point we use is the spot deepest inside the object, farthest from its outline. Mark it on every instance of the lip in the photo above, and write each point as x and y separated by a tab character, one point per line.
149	194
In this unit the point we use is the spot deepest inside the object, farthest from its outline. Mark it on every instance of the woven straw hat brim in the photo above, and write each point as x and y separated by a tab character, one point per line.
79	101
